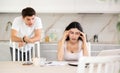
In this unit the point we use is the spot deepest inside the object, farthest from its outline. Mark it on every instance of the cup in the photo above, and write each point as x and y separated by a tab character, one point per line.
36	61
42	61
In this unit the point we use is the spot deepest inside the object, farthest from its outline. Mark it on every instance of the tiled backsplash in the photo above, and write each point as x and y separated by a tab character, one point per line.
104	25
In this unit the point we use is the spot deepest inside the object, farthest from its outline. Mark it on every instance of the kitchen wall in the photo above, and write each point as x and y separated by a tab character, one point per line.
104	25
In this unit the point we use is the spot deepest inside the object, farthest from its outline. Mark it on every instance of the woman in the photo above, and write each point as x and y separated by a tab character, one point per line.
73	43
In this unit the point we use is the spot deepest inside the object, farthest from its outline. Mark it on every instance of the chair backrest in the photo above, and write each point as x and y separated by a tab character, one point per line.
109	52
21	54
88	44
99	64
89	48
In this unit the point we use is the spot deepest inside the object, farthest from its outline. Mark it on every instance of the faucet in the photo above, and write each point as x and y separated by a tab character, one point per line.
9	23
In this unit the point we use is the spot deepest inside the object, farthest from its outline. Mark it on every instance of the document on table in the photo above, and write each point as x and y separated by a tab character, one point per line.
56	63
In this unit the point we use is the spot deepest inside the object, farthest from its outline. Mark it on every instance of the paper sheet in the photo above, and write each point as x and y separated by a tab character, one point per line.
56	63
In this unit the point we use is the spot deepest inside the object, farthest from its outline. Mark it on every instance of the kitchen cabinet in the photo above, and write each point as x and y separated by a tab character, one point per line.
13	5
97	48
5	51
49	50
97	6
53	6
62	6
76	6
42	6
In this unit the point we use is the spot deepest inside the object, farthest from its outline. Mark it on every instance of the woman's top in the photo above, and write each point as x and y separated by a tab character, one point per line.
73	56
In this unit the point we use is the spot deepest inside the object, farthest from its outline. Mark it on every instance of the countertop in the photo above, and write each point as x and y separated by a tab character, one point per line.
92	43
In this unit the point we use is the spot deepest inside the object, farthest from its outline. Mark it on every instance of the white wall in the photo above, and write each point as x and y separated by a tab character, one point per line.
104	25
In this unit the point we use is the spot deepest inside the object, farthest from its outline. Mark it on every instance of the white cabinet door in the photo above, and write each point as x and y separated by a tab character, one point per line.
62	6
49	51
5	51
13	5
97	6
90	6
56	6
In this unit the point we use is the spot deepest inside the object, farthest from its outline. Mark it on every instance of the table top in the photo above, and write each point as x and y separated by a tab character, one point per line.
18	67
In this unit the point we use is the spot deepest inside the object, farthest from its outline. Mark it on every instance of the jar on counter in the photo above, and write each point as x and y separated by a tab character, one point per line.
47	39
95	38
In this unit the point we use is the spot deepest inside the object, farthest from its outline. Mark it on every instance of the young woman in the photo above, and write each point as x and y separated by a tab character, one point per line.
73	43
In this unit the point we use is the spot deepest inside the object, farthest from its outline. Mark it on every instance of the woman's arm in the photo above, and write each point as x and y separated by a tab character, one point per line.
85	49
60	50
84	44
61	46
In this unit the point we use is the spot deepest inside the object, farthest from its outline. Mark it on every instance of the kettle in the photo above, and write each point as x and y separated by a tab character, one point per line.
95	38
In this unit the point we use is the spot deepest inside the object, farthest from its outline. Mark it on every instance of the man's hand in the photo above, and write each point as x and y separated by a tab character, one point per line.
35	38
27	39
21	44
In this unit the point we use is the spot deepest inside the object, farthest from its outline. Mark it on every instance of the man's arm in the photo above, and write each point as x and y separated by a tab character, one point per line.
35	38
14	36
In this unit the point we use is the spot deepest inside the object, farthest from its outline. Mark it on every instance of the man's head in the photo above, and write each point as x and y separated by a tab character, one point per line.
28	15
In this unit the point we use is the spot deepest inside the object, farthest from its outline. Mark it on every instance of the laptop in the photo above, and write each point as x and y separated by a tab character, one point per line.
109	52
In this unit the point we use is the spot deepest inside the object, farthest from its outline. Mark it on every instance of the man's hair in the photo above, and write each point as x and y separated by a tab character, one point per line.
28	11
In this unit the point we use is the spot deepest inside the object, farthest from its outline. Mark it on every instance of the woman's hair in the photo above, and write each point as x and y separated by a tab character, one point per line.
74	25
28	11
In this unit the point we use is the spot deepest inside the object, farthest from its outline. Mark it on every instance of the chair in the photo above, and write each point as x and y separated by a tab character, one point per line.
20	54
109	52
89	48
99	64
88	44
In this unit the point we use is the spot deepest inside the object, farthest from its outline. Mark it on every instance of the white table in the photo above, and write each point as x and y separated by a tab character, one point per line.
17	67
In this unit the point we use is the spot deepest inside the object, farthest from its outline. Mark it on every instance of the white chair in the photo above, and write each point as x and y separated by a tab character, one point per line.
88	44
34	52
109	52
99	64
89	48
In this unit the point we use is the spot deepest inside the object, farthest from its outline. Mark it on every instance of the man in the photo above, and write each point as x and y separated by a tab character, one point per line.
26	28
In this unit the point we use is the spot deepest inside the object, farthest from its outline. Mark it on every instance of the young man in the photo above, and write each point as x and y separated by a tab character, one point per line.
26	28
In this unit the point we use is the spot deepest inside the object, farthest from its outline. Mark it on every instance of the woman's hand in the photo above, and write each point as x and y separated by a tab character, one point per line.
61	46
84	44
83	37
65	35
